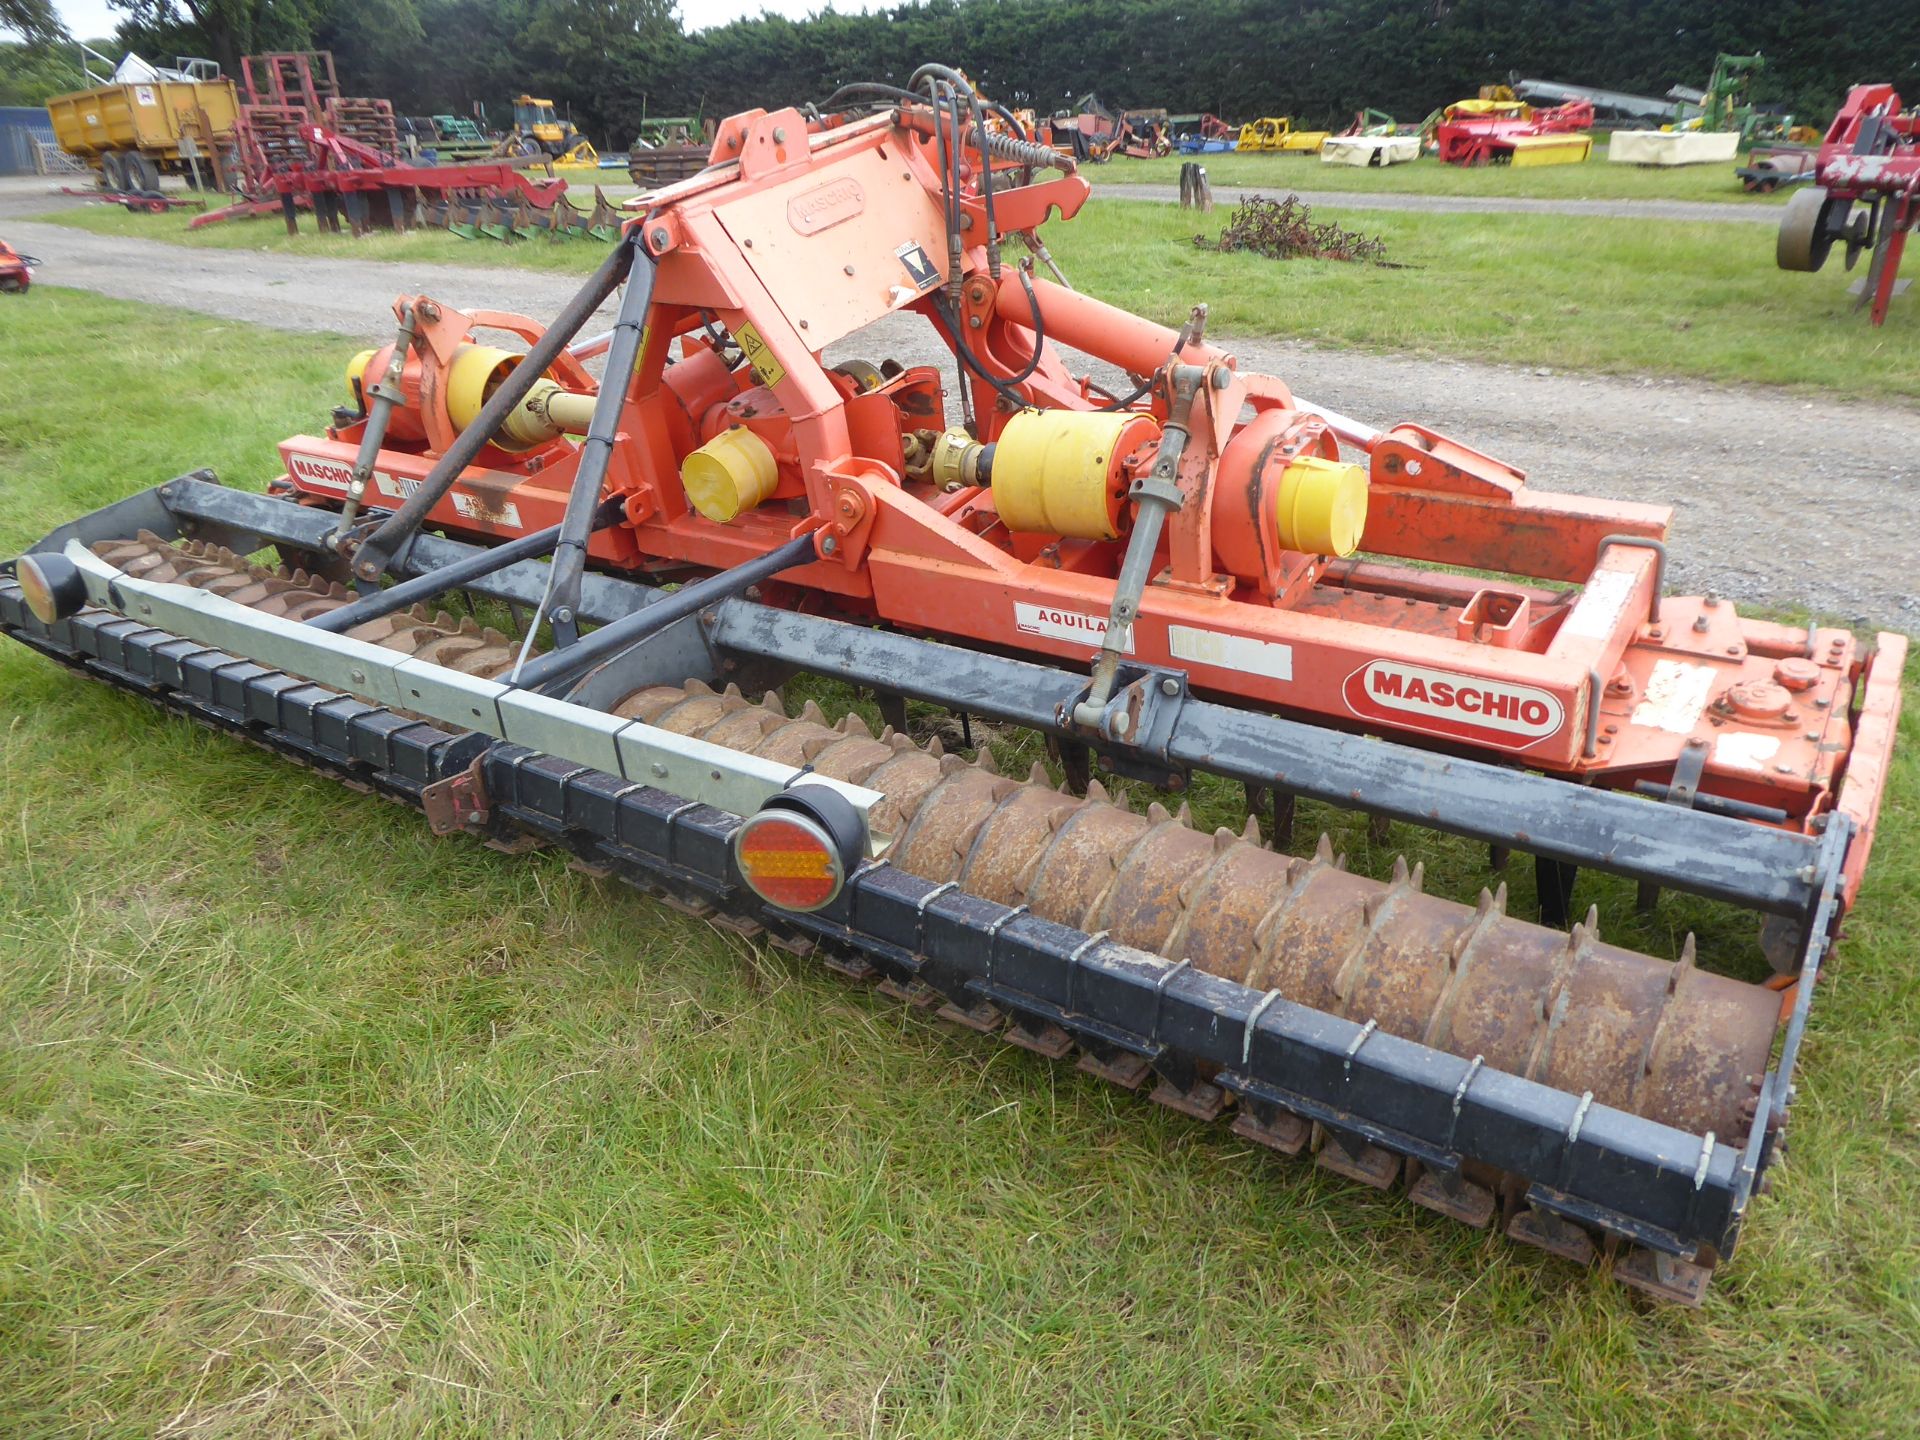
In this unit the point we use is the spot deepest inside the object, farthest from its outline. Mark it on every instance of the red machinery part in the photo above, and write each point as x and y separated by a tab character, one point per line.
1870	156
16	270
1610	685
1479	139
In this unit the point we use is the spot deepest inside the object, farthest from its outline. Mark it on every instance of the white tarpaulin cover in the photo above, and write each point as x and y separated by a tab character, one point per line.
1673	147
1370	149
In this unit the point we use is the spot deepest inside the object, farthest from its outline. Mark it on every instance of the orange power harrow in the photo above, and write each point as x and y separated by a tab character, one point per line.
1097	529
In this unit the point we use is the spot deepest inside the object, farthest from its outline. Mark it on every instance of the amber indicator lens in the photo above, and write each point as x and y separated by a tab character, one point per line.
788	860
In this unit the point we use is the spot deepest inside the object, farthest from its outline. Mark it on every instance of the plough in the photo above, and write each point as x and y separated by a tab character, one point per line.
1169	566
1870	157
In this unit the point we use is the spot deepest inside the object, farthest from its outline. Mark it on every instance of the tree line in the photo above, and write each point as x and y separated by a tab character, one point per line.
615	62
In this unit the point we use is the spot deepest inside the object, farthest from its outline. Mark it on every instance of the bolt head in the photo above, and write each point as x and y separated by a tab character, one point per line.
563	614
829	546
1169	688
660	238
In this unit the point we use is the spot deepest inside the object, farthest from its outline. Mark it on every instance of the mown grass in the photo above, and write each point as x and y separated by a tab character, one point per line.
1614	296
313	1125
1593	179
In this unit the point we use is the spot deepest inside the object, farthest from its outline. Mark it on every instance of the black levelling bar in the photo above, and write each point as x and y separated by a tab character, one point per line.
460	573
1734	860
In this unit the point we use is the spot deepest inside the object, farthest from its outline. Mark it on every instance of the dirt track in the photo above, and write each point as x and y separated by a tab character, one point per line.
1781	499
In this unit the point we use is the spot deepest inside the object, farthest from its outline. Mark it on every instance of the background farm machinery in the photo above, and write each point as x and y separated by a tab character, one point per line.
1177	571
1508	131
301	145
1865	195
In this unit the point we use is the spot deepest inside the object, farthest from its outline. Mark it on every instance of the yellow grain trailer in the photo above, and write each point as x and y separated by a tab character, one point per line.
133	132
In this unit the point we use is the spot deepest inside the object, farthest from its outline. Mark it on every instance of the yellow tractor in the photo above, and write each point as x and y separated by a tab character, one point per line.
541	133
1278	134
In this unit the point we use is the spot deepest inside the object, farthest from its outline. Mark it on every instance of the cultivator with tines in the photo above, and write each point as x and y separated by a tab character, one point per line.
304	146
1169	568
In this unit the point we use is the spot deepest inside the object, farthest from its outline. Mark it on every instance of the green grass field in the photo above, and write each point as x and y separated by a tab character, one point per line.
1614	296
313	1125
1595	179
1617	296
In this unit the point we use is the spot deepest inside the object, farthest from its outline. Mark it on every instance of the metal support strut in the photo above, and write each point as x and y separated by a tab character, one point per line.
381	397
1155	495
377	554
456	575
609	640
561	603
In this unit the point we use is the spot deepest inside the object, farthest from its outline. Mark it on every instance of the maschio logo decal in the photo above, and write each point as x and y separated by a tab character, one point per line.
1472	707
327	474
826	205
1057	624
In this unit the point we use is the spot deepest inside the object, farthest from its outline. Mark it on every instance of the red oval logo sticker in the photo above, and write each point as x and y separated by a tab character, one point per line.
1471	707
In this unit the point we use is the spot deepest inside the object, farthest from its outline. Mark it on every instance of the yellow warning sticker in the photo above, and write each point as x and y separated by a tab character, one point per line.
766	368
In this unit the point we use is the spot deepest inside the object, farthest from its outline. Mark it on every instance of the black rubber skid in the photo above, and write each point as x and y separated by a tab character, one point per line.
1659	1187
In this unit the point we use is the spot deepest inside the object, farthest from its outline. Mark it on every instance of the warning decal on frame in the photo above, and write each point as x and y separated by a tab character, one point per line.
766	368
920	270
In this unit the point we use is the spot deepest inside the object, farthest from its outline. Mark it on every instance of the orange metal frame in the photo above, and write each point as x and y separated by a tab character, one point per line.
1566	660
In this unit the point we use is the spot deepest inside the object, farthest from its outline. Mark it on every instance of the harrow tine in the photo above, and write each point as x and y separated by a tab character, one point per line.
564	220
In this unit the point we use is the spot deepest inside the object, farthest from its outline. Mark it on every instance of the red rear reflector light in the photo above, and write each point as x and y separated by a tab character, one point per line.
789	860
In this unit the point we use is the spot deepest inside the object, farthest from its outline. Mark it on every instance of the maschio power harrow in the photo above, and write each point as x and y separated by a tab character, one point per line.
1202	573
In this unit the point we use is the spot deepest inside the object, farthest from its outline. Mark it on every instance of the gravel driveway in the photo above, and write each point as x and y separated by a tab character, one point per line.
1781	499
